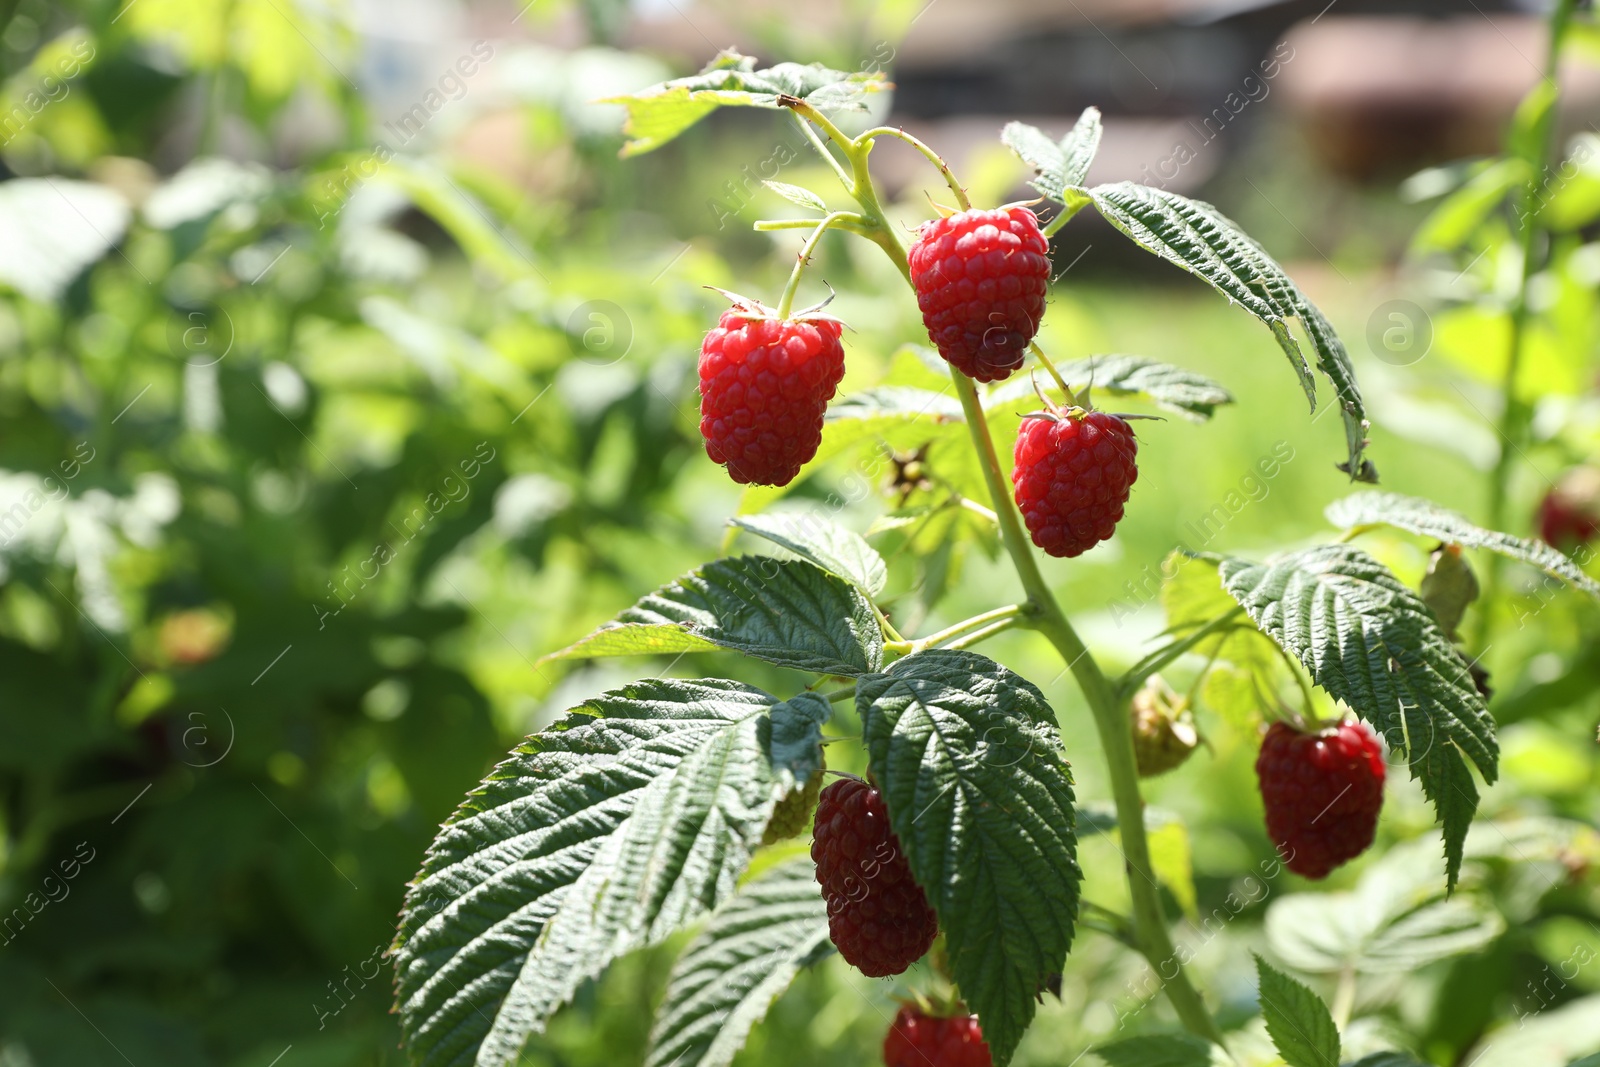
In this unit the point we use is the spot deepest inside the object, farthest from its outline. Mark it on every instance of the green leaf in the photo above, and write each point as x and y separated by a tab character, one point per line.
898	403
1200	239
1371	642
788	612
55	229
1159	1050
1549	1038
1062	166
733	970
1172	860
1192	595
1391	1058
1453	222
1300	1025
660	113
1194	396
606	832
1427	519
968	758
824	542
796	195
1395	921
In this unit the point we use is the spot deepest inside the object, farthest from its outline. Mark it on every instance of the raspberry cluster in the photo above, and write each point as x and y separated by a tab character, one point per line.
765	384
919	1040
878	917
1073	471
1322	793
980	278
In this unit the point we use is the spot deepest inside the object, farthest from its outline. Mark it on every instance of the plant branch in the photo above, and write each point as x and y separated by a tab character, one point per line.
1044	614
1166	654
933	157
1009	616
1513	416
786	302
822	149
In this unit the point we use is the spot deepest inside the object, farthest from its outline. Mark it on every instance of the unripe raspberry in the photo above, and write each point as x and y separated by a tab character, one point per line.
1073	471
793	813
919	1040
765	384
1322	792
981	278
1163	729
878	917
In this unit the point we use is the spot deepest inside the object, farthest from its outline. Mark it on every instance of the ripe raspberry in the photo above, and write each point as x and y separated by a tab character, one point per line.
878	917
1163	729
1073	471
918	1040
980	278
1569	515
764	386
1322	792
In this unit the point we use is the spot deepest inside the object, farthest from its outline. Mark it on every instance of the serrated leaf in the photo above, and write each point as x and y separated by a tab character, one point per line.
732	971
898	403
788	612
968	758
660	113
1158	1050
608	831
1427	519
1058	166
1194	396
1192	595
815	537
796	195
1371	642
1395	921
1300	1025
1197	237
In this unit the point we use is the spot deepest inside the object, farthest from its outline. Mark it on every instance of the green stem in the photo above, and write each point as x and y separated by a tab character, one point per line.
933	157
1165	655
1513	413
1051	367
1344	997
1045	615
822	149
786	302
1008	615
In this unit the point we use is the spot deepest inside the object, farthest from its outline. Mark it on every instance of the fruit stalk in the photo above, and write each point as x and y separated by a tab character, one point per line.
1045	615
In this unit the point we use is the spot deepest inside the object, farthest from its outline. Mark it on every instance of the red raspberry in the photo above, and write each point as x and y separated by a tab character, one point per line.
878	917
1322	792
764	386
1569	515
918	1040
980	278
1073	471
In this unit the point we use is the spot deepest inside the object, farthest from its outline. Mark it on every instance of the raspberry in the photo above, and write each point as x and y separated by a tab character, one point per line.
980	278
1569	515
1322	792
1163	729
1073	471
792	813
878	917
764	386
918	1040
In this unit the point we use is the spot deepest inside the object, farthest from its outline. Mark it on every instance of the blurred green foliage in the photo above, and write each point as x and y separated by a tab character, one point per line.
303	467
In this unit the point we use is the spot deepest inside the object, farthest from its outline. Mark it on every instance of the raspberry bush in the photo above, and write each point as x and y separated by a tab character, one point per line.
665	803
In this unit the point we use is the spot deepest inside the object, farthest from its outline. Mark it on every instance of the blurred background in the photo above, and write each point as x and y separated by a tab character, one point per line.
345	371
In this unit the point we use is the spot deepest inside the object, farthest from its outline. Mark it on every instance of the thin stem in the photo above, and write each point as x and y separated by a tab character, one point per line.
1061	382
977	637
849	221
1009	615
786	302
841	694
1166	654
979	510
1344	997
1513	417
889	632
822	149
1073	203
933	157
